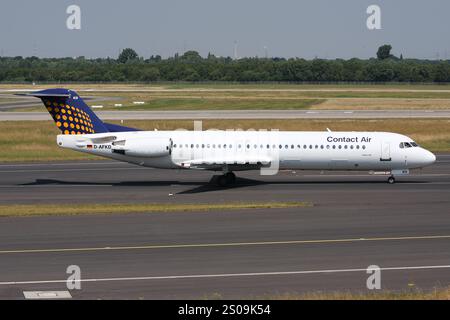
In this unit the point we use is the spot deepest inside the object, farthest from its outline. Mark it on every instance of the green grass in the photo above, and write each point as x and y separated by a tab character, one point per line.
261	99
221	104
33	141
233	85
36	140
269	85
234	96
90	209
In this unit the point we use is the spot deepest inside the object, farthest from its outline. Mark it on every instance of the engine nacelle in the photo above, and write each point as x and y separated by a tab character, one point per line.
144	147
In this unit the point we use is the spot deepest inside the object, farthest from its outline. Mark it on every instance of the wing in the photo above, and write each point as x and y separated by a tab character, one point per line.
232	164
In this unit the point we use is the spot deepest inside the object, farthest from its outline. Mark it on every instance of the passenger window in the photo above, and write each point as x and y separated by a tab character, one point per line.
345	147
310	146
340	147
334	146
321	146
364	147
357	147
328	146
305	146
292	147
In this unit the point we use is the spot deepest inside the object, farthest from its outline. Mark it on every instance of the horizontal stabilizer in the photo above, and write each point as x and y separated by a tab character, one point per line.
43	95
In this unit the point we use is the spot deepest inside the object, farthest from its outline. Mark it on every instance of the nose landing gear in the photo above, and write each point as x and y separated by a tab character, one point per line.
391	180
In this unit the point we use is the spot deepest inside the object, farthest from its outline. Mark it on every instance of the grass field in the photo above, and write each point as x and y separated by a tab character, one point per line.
36	140
194	103
213	96
245	98
80	209
410	294
234	85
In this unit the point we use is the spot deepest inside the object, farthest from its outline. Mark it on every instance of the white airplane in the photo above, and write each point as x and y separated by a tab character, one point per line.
228	151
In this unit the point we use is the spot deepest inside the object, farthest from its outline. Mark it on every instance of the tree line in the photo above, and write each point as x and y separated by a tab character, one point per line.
190	66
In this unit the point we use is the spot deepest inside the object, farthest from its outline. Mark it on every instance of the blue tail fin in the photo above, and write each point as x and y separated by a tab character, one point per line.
70	113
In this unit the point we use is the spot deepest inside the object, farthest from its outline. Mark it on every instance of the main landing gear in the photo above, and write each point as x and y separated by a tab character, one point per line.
226	179
391	180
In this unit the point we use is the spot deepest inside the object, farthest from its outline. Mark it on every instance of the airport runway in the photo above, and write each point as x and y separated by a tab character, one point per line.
242	114
357	220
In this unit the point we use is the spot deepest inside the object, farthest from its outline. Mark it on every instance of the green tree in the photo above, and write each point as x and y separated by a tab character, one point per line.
384	52
191	56
150	74
126	55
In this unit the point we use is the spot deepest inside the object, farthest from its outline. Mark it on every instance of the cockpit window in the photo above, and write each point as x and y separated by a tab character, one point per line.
410	144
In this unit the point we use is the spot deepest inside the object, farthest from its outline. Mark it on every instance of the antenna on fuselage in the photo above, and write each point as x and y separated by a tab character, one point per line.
328	129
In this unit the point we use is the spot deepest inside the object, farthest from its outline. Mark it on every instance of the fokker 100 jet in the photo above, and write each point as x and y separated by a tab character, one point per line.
229	151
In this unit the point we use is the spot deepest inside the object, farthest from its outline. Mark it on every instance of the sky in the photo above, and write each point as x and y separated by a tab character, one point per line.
283	28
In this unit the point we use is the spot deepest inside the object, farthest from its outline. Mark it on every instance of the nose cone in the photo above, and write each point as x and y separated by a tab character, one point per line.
428	158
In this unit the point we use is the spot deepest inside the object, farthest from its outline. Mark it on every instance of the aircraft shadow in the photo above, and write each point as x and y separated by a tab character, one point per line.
210	186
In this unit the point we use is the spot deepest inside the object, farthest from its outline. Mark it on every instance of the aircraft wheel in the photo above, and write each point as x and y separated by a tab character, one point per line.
391	180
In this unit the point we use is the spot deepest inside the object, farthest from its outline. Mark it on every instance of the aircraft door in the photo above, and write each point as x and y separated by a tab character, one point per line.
385	151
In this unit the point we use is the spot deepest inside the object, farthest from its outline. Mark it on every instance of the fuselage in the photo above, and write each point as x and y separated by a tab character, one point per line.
243	149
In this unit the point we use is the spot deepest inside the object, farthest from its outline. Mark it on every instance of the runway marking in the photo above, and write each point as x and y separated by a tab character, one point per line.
227	275
47	294
231	244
